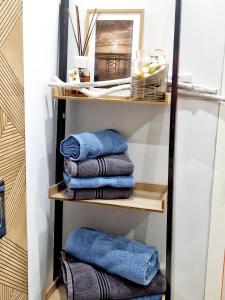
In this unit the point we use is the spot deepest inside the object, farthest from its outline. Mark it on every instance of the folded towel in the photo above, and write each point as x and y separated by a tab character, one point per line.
93	144
96	182
155	297
85	282
130	259
112	165
100	193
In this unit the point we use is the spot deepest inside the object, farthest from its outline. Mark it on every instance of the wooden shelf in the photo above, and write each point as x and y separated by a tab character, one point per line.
63	94
147	197
57	291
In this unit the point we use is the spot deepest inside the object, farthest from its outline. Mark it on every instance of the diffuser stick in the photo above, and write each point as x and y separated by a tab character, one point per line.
78	30
88	31
88	38
74	32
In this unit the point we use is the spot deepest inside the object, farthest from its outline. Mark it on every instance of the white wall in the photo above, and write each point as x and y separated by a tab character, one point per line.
40	61
195	150
215	262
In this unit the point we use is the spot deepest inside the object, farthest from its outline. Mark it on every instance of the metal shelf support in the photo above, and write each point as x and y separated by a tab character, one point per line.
172	140
63	47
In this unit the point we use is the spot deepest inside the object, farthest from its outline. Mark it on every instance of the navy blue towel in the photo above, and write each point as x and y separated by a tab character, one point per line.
156	297
86	282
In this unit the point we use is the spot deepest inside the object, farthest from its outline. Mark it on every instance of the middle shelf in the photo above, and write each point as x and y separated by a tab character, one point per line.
147	197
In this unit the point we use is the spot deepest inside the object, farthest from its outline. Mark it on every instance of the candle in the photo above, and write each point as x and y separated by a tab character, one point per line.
81	62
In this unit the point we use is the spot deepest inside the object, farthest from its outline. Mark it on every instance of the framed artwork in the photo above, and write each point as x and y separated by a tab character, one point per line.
115	40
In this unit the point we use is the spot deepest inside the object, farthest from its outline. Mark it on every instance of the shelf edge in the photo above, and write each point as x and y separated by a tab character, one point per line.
57	188
60	94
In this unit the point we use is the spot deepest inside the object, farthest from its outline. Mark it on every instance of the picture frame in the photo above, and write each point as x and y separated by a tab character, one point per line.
116	38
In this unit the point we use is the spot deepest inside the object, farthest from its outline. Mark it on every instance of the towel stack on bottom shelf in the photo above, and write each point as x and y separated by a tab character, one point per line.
96	166
96	265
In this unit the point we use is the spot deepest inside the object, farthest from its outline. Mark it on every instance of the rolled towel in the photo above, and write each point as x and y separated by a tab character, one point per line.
97	182
93	144
85	282
100	193
129	259
112	165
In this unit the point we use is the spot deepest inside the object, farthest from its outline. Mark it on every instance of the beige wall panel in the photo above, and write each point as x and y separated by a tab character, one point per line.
13	247
15	57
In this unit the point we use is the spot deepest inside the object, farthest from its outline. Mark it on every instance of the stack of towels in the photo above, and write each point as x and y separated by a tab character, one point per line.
96	166
96	265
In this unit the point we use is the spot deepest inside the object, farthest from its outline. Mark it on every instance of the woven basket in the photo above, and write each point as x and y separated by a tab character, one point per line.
152	87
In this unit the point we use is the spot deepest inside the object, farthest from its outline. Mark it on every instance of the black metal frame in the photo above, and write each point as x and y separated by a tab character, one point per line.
172	137
63	47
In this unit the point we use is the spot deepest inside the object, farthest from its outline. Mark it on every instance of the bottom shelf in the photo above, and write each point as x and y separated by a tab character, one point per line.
57	291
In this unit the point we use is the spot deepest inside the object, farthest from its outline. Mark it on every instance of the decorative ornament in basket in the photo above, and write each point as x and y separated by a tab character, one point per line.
149	76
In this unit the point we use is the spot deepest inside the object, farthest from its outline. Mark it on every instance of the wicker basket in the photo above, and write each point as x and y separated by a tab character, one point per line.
152	87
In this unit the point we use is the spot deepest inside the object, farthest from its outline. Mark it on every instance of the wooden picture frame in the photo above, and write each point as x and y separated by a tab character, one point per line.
134	16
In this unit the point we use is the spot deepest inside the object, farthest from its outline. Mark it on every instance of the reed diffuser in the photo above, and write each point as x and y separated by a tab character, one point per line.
81	73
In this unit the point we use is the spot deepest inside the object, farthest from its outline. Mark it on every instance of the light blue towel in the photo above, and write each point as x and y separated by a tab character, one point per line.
156	297
97	182
130	259
93	144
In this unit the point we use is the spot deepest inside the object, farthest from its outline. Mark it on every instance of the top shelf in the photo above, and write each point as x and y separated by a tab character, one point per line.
63	94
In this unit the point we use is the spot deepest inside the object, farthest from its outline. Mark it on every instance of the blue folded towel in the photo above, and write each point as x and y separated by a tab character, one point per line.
97	182
130	259
93	144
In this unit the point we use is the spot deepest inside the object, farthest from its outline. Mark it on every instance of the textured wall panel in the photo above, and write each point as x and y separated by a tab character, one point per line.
13	247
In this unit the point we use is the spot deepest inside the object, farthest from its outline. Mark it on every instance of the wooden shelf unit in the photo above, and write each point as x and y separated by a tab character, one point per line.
147	197
57	291
66	94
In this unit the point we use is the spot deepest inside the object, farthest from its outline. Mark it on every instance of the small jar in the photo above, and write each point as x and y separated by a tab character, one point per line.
81	64
80	73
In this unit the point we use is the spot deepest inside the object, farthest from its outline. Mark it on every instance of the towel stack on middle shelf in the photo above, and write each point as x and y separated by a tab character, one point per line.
96	166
